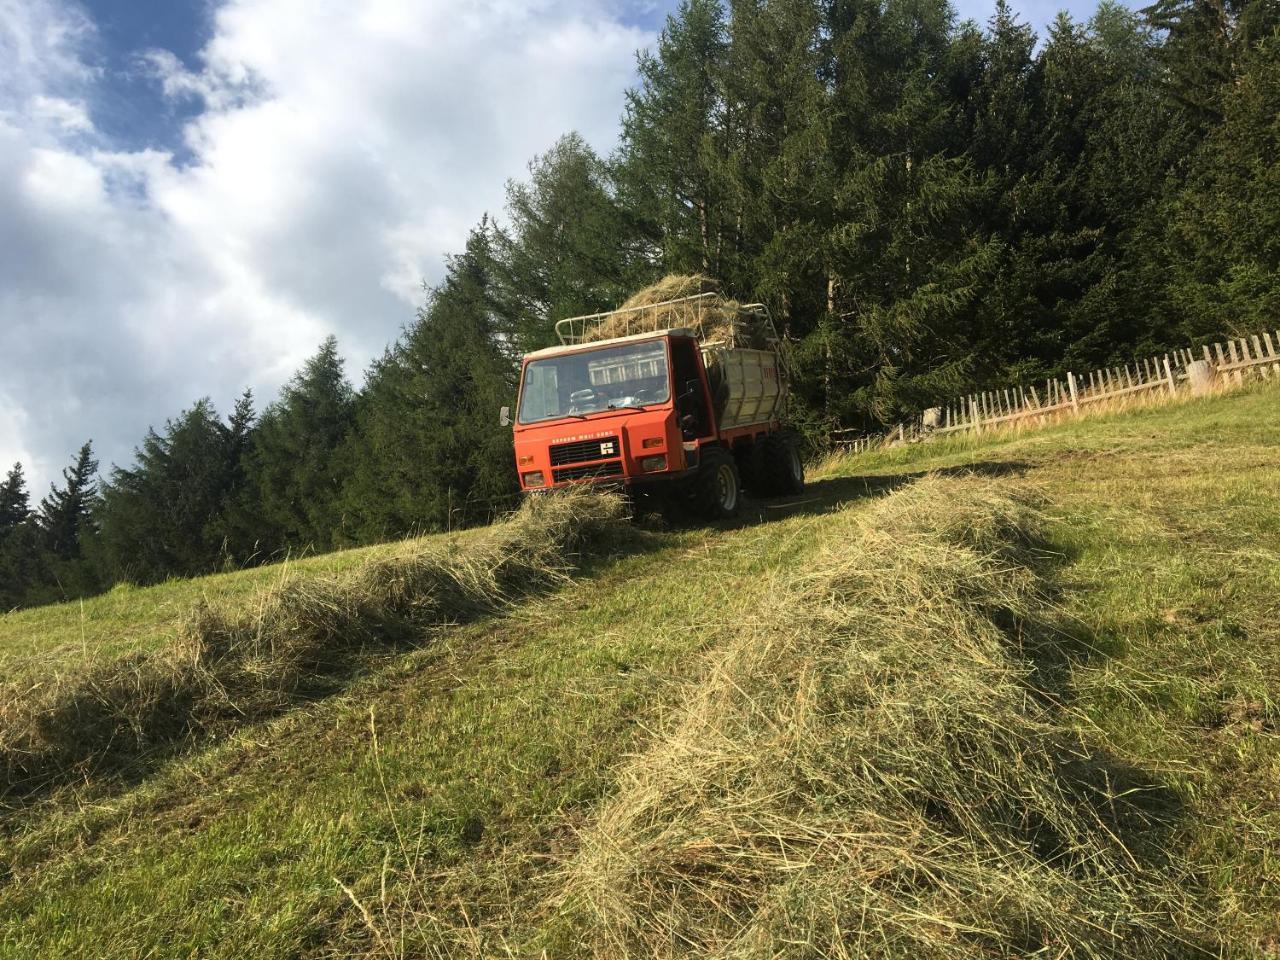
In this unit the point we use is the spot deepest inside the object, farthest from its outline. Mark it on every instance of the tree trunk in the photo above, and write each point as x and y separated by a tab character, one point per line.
702	227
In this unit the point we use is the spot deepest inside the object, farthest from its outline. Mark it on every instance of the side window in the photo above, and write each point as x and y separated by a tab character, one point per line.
541	393
691	399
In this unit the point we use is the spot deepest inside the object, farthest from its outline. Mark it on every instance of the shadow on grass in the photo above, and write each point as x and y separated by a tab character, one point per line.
829	494
1145	815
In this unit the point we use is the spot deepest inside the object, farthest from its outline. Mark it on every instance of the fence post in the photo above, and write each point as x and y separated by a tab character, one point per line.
1201	374
1071	382
1173	390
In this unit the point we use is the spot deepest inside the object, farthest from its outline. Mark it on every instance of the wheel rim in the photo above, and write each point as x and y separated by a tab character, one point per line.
797	470
727	487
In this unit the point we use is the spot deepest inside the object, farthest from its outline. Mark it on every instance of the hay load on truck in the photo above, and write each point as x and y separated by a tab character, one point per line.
678	397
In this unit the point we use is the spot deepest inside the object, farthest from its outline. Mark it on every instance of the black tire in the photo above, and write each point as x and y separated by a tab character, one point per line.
778	465
716	492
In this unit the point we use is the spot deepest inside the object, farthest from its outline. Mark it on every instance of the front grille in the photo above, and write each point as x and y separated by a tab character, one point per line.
611	469
583	451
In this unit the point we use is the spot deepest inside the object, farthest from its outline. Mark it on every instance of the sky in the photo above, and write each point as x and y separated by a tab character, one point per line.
195	193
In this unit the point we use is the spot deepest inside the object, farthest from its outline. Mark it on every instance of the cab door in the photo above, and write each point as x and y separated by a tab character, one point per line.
694	413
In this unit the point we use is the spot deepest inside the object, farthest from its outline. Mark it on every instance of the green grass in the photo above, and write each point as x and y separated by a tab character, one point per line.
498	741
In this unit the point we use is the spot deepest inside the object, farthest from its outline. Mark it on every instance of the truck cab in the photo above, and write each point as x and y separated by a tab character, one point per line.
660	412
631	408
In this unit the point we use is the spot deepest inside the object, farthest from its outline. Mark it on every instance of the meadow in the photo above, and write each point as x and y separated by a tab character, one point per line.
1020	691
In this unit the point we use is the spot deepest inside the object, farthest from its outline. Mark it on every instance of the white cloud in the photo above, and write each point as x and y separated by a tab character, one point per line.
69	116
342	150
43	43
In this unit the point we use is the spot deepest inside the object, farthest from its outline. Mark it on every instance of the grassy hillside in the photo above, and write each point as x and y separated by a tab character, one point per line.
127	618
1027	704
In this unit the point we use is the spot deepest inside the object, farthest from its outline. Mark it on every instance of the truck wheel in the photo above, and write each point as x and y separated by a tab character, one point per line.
780	468
717	488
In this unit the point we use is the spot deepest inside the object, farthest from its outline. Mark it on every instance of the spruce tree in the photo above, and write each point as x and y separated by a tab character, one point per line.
776	171
1219	238
165	515
65	515
429	453
234	529
1205	44
19	543
1108	137
15	504
58	540
672	134
293	464
910	253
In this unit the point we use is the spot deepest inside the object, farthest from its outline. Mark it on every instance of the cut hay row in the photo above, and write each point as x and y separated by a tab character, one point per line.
230	666
872	771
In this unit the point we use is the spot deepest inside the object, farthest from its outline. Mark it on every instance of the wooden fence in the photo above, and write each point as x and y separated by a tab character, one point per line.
1223	365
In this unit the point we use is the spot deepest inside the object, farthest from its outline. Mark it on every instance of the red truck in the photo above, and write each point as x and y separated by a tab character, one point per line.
683	404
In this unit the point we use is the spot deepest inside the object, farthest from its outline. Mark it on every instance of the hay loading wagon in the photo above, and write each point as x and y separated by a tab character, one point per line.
683	397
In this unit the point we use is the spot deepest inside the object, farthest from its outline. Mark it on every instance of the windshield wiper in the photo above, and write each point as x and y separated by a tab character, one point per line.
628	406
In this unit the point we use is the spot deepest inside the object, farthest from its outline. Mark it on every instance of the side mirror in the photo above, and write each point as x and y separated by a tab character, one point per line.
504	417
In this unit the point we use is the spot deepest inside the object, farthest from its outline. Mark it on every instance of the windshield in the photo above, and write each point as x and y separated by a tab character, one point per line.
575	384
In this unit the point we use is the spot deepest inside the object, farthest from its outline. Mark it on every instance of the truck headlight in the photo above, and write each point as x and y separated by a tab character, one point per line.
534	479
653	464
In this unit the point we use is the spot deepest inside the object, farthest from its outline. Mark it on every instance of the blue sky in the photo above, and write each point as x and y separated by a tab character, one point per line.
129	107
194	193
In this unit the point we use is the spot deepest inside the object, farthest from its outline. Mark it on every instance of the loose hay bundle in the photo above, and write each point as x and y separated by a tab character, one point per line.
232	665
871	773
665	304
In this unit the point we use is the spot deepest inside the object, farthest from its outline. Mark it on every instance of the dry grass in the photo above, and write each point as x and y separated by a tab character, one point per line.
719	321
1031	422
1094	406
871	770
230	665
